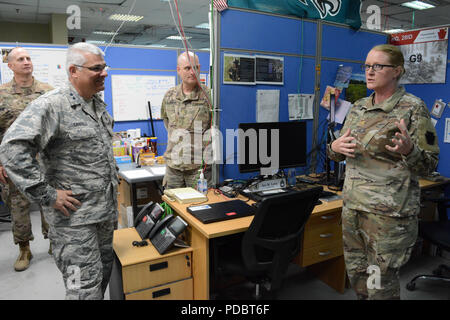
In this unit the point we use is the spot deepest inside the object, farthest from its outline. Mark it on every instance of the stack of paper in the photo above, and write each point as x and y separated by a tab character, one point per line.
185	195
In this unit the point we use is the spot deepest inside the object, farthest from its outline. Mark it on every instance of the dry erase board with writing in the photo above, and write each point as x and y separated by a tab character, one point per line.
131	93
49	65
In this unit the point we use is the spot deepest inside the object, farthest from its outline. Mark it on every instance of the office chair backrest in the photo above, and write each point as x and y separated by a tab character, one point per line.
442	206
274	236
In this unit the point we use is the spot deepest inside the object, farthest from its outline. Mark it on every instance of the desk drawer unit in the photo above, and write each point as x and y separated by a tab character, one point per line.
156	272
322	239
179	290
142	273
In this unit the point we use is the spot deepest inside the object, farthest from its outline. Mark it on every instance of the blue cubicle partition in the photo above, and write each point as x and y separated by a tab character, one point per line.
429	93
264	34
309	45
304	44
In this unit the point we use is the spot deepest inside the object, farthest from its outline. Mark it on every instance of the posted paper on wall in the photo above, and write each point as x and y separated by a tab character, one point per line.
447	130
425	53
267	105
300	106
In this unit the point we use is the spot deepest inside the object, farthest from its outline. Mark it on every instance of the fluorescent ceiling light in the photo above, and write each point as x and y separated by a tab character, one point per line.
393	30
158	45
418	5
95	41
125	17
177	38
204	25
107	33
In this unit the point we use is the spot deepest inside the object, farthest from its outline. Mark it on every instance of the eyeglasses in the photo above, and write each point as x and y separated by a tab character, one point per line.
98	68
375	67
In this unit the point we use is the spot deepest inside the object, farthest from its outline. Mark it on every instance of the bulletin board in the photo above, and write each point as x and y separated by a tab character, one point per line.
131	94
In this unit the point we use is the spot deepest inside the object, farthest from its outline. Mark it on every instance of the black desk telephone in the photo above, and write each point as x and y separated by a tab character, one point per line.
162	231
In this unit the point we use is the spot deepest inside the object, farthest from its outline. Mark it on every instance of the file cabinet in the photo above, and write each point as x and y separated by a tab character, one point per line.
322	239
141	273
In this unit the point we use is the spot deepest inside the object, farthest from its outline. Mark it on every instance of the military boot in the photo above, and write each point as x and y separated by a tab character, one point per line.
23	261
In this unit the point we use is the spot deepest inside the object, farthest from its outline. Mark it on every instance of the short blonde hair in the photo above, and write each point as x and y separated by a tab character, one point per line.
395	55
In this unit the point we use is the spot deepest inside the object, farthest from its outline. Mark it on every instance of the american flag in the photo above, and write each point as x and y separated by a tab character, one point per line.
220	5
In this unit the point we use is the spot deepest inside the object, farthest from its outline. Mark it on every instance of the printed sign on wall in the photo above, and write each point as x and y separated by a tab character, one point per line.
425	53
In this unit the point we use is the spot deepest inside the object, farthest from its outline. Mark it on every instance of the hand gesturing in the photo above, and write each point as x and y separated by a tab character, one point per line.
344	145
402	140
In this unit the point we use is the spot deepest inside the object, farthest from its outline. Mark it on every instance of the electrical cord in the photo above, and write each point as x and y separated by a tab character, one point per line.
142	243
120	27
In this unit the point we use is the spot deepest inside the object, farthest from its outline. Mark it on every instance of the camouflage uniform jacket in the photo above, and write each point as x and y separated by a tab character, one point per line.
186	119
380	181
14	99
78	155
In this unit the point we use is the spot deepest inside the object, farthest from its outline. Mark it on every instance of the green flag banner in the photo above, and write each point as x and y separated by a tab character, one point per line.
341	11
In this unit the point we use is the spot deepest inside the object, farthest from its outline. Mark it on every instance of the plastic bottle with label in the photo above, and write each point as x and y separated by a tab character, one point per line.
202	184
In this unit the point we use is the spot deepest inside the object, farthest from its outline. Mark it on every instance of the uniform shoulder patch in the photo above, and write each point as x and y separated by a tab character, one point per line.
429	136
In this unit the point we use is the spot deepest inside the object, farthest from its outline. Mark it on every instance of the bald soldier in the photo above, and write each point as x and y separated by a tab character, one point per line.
185	110
14	97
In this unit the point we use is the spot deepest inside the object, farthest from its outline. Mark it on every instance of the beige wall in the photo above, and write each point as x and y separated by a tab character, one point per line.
58	28
24	32
54	32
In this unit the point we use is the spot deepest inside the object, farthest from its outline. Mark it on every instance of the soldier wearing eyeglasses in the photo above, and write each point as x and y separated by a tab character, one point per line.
72	128
14	97
388	141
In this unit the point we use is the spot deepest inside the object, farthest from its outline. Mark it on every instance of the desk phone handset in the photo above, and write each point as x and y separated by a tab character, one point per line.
147	218
166	232
161	232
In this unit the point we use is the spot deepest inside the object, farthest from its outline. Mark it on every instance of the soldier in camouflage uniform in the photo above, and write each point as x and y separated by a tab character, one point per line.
388	140
186	112
14	97
78	191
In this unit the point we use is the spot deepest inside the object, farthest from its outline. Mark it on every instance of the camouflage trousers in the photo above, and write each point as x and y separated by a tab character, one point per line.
19	207
175	178
375	247
84	255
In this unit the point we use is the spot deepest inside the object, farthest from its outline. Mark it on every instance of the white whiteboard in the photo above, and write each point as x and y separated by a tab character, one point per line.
49	65
131	93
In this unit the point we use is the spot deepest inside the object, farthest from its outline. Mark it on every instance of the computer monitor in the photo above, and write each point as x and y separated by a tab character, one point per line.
255	151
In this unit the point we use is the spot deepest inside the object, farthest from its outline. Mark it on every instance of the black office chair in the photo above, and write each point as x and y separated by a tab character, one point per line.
438	233
262	254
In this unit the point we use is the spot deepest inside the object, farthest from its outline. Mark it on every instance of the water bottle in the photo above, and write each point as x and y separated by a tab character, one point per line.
202	184
291	177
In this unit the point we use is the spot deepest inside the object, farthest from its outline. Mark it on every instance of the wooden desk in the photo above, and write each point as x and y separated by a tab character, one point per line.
331	270
199	235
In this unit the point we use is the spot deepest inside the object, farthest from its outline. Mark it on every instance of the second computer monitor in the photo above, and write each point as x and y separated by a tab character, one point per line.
258	137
